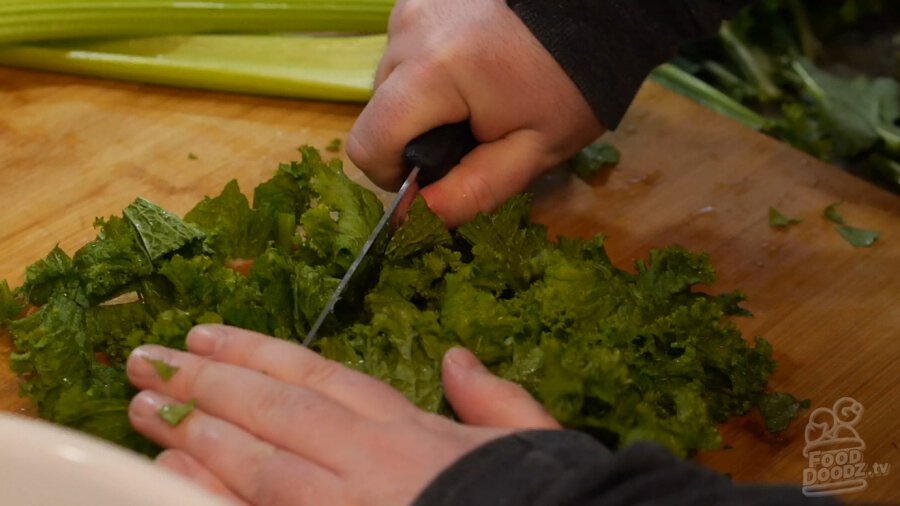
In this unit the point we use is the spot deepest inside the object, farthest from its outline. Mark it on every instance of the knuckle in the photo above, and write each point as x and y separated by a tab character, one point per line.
406	15
278	398
481	193
267	488
357	151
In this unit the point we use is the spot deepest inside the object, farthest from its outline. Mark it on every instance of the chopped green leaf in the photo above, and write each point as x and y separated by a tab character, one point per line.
779	410
174	414
163	368
192	156
858	237
334	146
625	356
832	214
160	231
46	276
232	228
594	158
779	220
10	307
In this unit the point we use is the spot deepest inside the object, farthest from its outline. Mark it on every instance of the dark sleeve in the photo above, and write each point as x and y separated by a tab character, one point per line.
608	47
559	468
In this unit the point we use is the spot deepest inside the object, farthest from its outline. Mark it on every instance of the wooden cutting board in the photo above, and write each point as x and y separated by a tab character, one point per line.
72	149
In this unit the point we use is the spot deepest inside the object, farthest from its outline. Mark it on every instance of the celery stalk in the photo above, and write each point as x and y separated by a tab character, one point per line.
694	88
325	67
31	20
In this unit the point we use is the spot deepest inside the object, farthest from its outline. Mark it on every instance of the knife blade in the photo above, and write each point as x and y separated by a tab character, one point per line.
427	158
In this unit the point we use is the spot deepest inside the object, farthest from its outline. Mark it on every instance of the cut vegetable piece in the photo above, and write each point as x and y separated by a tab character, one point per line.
779	220
163	368
325	68
858	237
174	414
832	214
591	160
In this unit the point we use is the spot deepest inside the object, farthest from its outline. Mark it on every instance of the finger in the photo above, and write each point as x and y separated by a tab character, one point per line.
299	366
258	472
291	417
183	464
480	398
486	178
412	100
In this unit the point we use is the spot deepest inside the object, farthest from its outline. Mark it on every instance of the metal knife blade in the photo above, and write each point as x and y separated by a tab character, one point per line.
428	158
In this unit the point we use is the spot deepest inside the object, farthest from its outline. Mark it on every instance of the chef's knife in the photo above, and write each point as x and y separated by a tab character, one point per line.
427	158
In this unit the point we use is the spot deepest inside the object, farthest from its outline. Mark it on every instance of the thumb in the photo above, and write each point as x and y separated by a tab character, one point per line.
480	398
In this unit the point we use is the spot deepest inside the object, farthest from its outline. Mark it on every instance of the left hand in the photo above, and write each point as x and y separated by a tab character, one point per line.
276	423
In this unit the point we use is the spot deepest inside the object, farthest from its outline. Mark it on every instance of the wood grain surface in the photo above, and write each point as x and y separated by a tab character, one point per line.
72	149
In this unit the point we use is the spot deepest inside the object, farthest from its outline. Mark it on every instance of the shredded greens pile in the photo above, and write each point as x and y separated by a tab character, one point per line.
623	356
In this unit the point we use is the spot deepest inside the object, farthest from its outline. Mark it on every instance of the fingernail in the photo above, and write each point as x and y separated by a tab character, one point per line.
205	339
464	359
145	405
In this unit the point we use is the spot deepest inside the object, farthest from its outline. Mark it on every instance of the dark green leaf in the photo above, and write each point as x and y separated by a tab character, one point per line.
10	306
47	276
160	231
594	158
779	410
233	230
113	261
779	220
832	214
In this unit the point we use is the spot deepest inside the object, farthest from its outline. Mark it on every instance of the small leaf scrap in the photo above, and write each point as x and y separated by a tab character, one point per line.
163	369
778	220
174	414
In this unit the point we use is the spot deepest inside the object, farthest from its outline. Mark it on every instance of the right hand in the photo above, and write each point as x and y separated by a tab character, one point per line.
475	59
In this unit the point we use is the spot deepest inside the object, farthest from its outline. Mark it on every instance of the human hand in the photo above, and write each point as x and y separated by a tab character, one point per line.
448	61
275	423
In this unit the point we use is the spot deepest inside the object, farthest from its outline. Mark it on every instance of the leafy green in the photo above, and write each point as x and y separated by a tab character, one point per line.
160	231
831	213
163	369
858	237
623	356
236	230
334	145
47	276
778	220
10	306
780	409
594	158
174	414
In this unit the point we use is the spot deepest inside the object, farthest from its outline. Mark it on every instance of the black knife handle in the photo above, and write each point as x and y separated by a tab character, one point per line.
437	151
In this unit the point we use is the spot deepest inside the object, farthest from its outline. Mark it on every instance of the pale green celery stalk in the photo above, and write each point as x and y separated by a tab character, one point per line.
694	88
320	67
32	20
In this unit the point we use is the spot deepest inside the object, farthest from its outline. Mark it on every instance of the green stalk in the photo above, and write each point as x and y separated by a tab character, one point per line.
691	87
324	68
32	20
755	64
